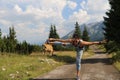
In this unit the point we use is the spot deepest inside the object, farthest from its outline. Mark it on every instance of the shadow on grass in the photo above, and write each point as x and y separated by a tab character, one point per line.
100	52
64	58
68	59
56	79
107	61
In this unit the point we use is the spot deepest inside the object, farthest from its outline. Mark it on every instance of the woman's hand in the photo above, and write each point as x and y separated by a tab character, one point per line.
103	42
64	44
96	42
51	39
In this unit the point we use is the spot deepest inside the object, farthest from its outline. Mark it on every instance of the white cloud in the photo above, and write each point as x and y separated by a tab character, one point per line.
17	8
82	4
97	5
34	34
95	8
72	4
4	22
32	19
81	16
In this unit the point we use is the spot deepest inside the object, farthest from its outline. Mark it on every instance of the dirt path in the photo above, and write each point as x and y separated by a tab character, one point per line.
97	67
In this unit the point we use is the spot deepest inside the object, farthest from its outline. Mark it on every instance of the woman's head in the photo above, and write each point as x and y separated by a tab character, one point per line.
75	36
75	40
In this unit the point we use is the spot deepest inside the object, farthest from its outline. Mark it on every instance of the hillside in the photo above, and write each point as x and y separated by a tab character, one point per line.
95	31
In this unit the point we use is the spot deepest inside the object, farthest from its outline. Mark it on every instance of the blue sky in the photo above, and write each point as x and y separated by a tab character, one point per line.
32	18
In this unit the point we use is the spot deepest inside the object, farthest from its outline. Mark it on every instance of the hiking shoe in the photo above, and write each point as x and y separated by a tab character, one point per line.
77	78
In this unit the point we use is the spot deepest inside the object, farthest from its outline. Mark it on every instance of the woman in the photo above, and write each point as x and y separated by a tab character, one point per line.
79	45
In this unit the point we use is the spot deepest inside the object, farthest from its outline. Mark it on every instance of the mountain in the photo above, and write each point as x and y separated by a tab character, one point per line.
95	31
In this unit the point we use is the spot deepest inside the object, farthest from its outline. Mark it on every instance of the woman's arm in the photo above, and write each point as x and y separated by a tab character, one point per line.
59	43
83	43
60	40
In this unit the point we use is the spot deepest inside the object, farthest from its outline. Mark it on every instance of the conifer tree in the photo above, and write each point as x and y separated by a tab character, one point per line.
112	26
0	40
112	22
77	30
51	34
55	32
25	49
5	44
85	37
12	41
0	34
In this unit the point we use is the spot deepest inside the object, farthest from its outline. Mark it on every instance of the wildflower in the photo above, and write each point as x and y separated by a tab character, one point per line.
17	72
27	72
12	76
3	69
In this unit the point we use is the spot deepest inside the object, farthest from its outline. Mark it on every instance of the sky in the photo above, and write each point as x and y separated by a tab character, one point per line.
32	19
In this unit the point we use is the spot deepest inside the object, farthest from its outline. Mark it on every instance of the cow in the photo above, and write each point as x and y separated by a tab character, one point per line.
47	48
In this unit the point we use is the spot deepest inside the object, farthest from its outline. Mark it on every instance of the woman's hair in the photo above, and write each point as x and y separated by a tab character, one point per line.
75	39
75	35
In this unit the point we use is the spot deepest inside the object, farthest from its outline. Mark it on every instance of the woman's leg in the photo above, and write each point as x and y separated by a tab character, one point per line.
78	61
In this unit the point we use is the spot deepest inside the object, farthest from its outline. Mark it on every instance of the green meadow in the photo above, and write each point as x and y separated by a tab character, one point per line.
23	67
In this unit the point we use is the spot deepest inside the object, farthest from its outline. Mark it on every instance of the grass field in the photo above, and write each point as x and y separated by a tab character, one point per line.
23	67
115	63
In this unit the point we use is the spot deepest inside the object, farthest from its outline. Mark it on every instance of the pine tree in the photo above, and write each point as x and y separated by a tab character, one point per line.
55	32
12	41
85	37
51	34
0	34
112	26
0	40
5	44
112	22
77	30
25	49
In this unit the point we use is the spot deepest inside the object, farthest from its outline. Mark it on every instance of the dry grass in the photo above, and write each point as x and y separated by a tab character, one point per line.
23	67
